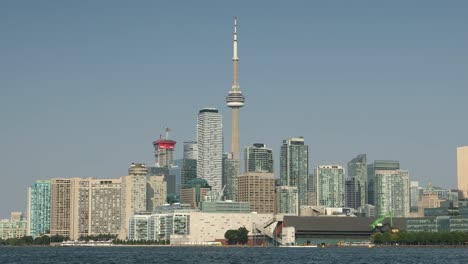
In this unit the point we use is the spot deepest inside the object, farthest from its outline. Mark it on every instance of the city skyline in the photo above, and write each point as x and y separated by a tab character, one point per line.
71	96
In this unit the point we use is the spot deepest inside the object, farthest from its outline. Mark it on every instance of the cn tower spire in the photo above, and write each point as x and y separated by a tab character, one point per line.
235	99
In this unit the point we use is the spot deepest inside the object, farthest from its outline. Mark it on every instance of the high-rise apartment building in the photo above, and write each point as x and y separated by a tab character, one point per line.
287	200
357	171
156	192
414	196
210	147
83	207
38	215
330	185
257	188
231	169
312	189
133	195
189	163
392	192
103	199
258	158
62	205
371	168
462	170
294	166
352	193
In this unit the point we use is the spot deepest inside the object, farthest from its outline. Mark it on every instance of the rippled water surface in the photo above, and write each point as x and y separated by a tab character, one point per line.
108	255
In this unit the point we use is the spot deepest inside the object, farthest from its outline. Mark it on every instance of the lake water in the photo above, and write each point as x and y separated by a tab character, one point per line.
109	255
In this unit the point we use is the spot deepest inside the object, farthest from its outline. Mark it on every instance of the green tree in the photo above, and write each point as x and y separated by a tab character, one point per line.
242	235
232	236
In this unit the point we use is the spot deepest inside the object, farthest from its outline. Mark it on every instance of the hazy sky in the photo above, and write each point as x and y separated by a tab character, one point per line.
86	85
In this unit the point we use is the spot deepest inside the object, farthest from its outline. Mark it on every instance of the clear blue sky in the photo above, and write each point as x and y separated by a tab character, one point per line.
86	85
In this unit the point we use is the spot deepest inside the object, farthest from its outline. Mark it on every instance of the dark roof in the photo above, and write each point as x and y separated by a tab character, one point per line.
209	110
334	223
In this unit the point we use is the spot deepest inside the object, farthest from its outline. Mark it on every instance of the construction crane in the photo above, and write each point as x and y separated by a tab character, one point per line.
166	129
378	224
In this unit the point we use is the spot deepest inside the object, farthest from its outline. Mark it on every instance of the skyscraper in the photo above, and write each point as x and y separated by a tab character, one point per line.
330	185
210	147
189	163
38	208
133	195
462	170
294	166
62	205
174	181
357	170
352	193
235	99
371	168
164	150
231	169
258	158
414	196
392	192
100	204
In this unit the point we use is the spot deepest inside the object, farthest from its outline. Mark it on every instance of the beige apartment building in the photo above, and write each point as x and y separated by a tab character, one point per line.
462	170
83	207
156	192
133	200
258	188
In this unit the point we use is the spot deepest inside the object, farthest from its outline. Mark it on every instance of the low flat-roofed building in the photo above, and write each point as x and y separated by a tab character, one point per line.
331	229
16	227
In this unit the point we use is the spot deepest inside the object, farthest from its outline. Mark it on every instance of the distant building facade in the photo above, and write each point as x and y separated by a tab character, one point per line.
83	207
156	192
330	185
231	170
133	195
158	226
392	192
357	171
287	200
15	227
371	168
38	215
462	170
189	163
194	191
210	147
294	166
414	196
258	189
174	181
258	158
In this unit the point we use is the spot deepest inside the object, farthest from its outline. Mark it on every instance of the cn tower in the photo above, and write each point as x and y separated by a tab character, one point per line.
235	99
